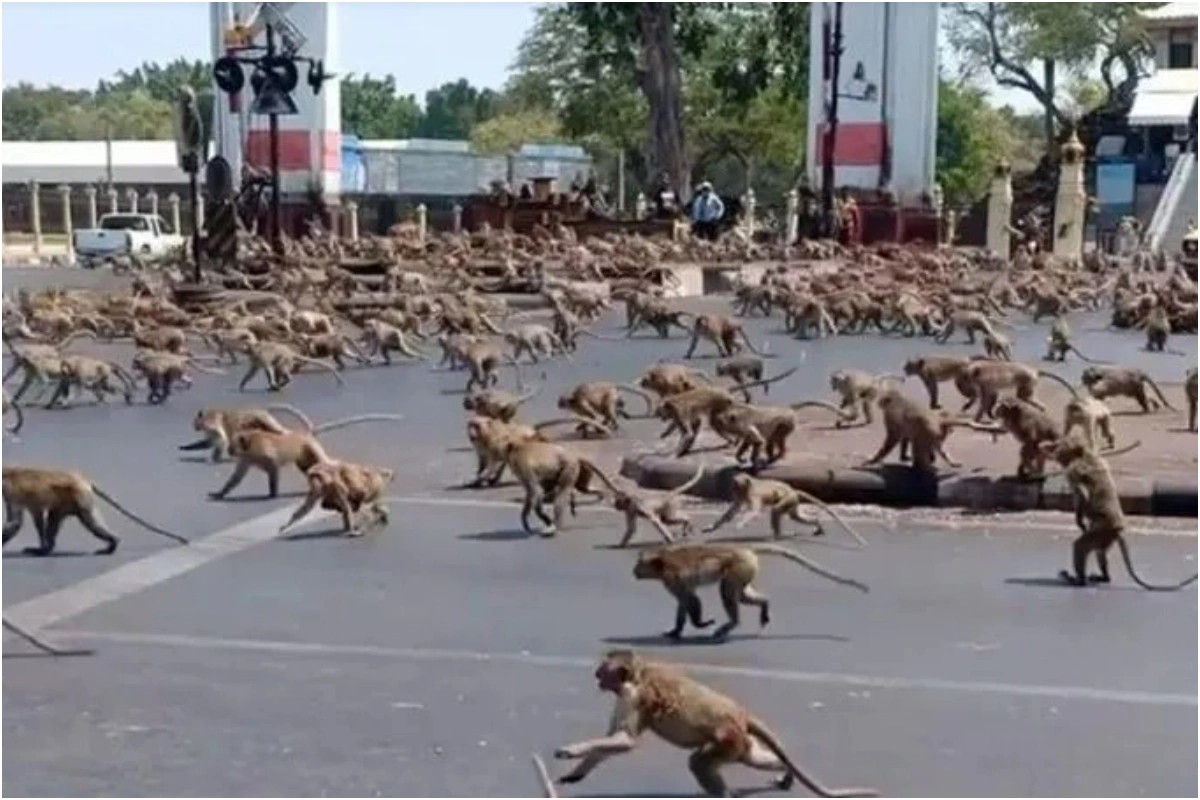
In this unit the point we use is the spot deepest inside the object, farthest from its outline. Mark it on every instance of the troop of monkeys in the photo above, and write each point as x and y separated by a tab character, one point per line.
279	339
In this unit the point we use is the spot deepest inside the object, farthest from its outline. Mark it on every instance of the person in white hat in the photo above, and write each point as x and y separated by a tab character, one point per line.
707	210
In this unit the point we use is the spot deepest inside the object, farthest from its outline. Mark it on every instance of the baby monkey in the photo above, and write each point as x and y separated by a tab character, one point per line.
660	512
683	569
346	487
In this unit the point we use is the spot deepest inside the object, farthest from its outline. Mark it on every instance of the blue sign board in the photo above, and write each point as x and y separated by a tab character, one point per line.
1115	185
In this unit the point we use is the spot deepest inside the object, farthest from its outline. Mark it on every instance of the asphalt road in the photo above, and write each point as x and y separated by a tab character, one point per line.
432	658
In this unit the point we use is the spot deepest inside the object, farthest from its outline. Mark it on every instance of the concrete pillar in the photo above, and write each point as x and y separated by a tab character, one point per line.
112	201
173	209
131	197
35	216
458	212
422	222
751	203
352	220
639	206
792	223
152	200
64	192
90	193
999	212
1070	206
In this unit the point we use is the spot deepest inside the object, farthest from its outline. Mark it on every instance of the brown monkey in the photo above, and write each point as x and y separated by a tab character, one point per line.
334	346
687	411
269	452
717	730
989	378
668	379
725	332
933	370
1097	513
1158	329
346	487
94	374
1105	382
971	322
858	390
1189	389
163	370
483	359
602	401
43	645
279	362
219	424
454	347
382	339
755	428
550	471
1059	343
498	404
52	495
11	405
1031	427
754	494
660	512
490	439
742	369
683	569
535	339
910	426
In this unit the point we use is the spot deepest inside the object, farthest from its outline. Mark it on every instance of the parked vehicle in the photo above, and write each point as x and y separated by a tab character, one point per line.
143	235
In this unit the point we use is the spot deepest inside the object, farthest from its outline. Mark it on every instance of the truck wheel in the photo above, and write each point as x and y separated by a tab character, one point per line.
145	249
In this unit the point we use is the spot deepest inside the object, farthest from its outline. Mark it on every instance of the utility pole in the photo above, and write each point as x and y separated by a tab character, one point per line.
273	122
832	67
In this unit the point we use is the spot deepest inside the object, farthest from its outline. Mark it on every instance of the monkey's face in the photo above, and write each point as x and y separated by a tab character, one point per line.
914	366
614	671
564	401
1090	376
469	402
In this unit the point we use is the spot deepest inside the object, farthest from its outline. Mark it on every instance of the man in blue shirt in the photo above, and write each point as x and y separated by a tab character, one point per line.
707	210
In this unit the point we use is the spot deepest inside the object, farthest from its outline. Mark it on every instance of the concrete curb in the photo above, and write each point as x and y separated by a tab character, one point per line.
899	486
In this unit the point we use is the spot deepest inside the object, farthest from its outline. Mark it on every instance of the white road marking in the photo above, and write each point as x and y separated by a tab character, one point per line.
587	662
135	576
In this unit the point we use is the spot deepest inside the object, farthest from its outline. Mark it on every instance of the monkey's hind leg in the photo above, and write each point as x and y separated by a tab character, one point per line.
90	518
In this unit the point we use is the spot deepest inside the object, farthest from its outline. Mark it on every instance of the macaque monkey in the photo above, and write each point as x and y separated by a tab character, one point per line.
683	712
346	487
726	333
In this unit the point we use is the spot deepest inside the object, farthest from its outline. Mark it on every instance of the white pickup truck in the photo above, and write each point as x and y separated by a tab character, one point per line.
144	235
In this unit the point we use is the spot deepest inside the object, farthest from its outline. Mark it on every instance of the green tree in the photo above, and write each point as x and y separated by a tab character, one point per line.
453	109
972	138
1034	46
373	109
509	130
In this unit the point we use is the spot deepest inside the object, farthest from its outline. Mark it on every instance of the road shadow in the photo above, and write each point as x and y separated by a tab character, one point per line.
508	535
704	640
1059	583
322	533
38	654
15	554
258	498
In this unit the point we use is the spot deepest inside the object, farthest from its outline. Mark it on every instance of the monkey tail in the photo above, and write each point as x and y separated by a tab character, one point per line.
692	481
607	481
347	421
287	408
828	510
1120	451
194	364
323	365
574	419
809	564
761	732
532	393
765	381
1061	381
1075	350
103	495
1159	392
755	350
487	323
815	404
543	776
1153	587
647	398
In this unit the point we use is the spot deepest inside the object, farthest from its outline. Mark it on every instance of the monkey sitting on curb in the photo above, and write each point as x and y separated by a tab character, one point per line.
752	495
683	712
1097	513
683	569
346	487
660	512
52	495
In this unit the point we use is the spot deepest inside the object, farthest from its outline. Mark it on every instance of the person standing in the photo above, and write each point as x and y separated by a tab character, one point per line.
707	210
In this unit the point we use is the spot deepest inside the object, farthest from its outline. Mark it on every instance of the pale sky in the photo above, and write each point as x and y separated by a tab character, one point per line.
422	44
